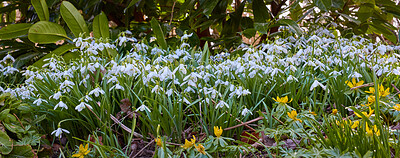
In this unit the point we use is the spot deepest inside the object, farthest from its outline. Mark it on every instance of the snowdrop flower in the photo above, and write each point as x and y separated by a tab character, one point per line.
61	104
157	89
169	92
59	131
355	75
39	101
185	36
143	108
86	98
245	111
117	86
8	57
316	84
221	104
82	106
56	96
97	91
290	78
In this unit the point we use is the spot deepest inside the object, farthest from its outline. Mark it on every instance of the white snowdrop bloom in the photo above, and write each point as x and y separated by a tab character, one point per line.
396	71
355	75
8	57
67	84
185	101
165	73
113	79
185	36
59	131
9	70
290	78
181	69
38	101
82	106
169	92
97	91
381	49
61	104
143	108
122	40
157	89
246	111
189	89
56	96
316	84
221	104
117	86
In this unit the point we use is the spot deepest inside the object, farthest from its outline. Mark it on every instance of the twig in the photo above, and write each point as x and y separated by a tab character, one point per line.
245	123
398	91
124	127
241	122
278	120
141	150
172	12
19	121
364	85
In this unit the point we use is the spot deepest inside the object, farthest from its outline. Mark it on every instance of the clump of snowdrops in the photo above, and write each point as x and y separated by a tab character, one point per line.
146	91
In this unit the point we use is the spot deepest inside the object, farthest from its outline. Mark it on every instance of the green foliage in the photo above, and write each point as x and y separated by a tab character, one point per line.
100	27
74	19
13	31
41	9
19	135
45	32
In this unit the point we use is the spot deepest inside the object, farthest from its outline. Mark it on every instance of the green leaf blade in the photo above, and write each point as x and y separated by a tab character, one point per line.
159	33
14	30
41	9
73	18
100	26
44	32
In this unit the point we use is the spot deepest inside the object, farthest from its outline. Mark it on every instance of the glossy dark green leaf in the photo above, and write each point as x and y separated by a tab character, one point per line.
260	11
44	32
365	11
159	33
131	4
59	51
6	143
21	151
41	9
293	26
208	6
100	26
14	30
71	56
262	27
324	5
338	4
23	59
74	19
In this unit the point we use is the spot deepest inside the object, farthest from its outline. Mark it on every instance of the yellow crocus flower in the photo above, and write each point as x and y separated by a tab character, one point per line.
365	113
190	143
397	107
158	142
283	100
334	111
293	115
355	124
218	131
82	151
200	148
353	83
